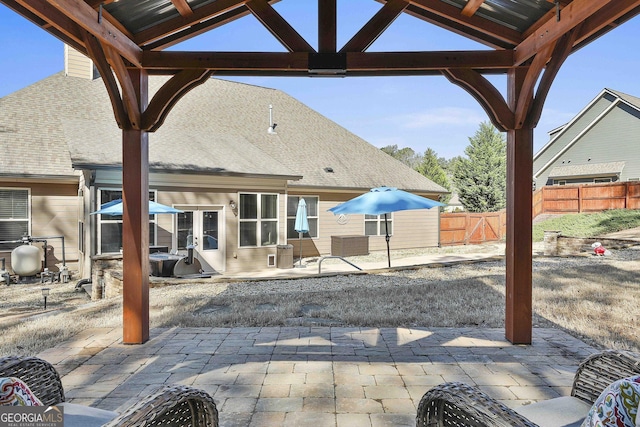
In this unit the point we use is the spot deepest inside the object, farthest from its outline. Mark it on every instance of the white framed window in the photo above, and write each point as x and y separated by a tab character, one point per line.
258	219
312	216
110	227
561	182
15	215
374	225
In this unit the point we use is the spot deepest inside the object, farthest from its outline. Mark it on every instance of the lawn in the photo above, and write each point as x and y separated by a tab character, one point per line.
589	224
593	298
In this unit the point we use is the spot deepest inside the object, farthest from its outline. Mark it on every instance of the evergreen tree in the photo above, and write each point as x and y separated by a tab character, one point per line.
481	177
430	166
405	155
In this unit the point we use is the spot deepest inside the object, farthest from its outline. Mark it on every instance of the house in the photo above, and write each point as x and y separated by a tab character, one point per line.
235	158
598	145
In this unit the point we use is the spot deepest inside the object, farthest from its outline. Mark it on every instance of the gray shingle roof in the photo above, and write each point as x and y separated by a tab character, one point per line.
594	169
219	127
633	100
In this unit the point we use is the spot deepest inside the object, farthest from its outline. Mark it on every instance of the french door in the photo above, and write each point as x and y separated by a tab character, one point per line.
202	227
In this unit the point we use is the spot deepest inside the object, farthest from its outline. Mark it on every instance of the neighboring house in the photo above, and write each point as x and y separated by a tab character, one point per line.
236	175
455	205
598	145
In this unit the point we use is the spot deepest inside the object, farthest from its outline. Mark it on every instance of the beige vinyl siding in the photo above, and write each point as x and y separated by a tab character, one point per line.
78	65
411	229
236	259
415	229
54	212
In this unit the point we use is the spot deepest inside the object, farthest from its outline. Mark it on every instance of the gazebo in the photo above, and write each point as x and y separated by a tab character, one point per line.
526	40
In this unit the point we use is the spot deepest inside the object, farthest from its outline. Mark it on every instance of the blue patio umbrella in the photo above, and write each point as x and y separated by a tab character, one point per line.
114	208
383	200
302	223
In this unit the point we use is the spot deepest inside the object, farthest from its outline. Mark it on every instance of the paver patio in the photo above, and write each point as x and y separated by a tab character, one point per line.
308	376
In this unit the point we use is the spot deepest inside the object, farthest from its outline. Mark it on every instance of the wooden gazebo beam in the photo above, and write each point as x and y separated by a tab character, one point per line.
286	63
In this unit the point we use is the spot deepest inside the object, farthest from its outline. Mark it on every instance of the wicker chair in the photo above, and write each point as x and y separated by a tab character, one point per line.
457	404
168	406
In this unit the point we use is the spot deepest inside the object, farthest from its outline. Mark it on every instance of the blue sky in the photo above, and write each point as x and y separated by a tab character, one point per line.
416	112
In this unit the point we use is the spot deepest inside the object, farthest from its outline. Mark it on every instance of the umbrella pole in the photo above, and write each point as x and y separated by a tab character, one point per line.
386	237
300	239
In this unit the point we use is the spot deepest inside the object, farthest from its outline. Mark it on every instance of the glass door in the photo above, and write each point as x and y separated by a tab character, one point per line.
201	228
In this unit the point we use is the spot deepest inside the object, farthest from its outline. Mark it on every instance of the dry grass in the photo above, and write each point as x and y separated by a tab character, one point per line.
595	299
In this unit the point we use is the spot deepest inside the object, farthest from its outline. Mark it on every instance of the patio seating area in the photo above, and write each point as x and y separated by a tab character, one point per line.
168	405
458	404
307	376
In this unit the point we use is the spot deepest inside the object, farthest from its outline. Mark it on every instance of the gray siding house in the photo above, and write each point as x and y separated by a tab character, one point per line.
598	145
235	158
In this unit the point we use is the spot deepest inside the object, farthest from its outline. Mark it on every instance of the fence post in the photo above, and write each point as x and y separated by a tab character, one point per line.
466	228
626	195
580	198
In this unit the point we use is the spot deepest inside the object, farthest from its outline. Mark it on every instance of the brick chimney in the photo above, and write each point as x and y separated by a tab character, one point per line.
76	64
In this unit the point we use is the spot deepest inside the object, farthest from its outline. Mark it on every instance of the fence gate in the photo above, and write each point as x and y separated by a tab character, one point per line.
472	228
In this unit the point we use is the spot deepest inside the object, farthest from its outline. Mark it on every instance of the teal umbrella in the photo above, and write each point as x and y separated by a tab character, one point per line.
383	200
114	208
302	223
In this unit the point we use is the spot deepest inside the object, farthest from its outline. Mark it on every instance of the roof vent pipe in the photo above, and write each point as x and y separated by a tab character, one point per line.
272	126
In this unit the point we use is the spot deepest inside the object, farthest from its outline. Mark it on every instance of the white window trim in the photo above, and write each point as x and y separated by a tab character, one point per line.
380	224
29	217
101	218
258	220
316	217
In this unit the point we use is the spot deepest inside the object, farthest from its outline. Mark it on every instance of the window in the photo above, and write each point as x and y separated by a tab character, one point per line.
374	225
561	182
14	216
312	216
111	226
258	217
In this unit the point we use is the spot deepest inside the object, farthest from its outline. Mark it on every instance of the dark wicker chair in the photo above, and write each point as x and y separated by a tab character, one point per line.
457	404
168	406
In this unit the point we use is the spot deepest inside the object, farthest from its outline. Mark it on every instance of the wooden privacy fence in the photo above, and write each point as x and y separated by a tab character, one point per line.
586	198
472	228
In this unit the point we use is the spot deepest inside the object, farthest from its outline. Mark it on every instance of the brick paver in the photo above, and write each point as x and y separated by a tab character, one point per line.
315	376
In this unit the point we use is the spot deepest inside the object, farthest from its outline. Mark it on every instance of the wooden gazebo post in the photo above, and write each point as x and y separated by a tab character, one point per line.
518	116
135	223
136	116
518	310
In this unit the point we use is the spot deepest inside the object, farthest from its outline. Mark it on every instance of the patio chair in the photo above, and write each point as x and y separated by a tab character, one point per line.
458	404
173	405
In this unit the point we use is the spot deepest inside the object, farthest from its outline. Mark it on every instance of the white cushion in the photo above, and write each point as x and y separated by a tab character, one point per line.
85	416
559	412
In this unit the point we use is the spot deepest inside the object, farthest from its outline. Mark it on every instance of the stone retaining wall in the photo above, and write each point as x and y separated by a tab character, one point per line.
106	276
555	244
